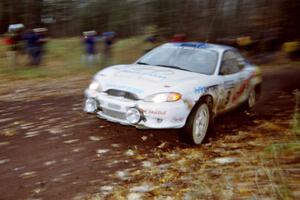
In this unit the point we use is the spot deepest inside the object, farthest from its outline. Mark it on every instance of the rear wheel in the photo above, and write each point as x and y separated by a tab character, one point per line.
198	124
251	98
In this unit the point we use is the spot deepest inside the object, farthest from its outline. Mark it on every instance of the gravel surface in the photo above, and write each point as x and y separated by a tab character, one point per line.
51	149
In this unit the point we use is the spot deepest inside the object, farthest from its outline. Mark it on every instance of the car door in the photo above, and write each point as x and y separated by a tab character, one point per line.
243	86
229	72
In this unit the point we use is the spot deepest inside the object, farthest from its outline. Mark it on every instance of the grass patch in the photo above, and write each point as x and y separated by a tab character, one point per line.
63	58
25	73
284	153
296	117
276	148
295	129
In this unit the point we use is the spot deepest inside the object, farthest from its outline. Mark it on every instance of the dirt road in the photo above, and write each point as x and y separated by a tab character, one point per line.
50	149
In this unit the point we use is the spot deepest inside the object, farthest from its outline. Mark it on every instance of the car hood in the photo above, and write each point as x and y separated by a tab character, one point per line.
144	80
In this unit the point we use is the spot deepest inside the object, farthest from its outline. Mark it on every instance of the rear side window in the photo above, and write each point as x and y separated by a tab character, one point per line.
231	63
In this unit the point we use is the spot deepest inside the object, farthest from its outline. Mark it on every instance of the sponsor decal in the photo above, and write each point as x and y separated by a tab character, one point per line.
154	112
242	88
199	90
144	72
212	88
227	98
229	84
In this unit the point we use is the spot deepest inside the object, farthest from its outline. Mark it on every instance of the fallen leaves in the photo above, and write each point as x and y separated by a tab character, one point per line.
225	160
38	190
129	152
4	143
95	138
6	120
79	149
4	161
55	130
71	141
162	145
115	145
50	162
8	132
27	175
107	188
271	126
134	196
144	138
142	188
123	175
101	151
147	164
31	134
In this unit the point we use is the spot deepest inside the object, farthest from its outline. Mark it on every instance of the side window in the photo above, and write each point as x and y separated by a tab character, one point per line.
231	63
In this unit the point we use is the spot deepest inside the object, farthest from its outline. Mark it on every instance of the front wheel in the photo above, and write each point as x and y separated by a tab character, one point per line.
198	124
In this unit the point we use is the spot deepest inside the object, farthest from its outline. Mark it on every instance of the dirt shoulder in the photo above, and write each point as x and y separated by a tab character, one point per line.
50	149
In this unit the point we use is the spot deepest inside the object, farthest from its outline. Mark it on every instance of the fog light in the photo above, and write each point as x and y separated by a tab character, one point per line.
133	115
91	105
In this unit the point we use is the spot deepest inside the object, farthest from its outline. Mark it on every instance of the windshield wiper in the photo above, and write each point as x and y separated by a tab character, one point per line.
174	67
142	63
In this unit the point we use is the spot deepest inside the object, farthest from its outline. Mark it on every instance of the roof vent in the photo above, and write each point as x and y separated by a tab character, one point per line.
192	44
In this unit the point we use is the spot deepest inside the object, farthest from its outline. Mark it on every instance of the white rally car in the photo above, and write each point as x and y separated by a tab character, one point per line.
176	85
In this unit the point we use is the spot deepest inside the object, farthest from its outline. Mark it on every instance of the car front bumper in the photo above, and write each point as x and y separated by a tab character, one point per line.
153	115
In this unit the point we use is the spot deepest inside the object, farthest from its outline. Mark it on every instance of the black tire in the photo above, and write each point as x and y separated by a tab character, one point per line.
190	135
252	99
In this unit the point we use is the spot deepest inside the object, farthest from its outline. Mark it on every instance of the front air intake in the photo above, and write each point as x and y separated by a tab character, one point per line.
121	93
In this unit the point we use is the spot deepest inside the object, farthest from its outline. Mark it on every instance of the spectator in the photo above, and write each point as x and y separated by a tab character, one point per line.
32	46
151	42
14	42
181	37
42	35
11	52
90	46
108	38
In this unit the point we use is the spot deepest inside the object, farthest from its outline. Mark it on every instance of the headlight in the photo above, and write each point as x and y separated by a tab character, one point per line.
163	97
95	86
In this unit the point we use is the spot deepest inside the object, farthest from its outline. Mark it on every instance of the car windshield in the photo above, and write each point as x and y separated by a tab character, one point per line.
199	60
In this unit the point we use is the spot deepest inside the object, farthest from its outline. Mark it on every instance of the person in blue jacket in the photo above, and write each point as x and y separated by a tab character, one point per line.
32	46
90	46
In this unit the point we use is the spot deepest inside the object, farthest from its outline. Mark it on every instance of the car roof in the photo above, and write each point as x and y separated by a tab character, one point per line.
202	45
